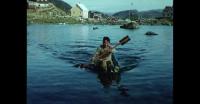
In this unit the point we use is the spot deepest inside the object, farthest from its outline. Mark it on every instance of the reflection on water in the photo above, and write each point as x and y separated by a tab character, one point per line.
112	79
81	53
53	50
106	79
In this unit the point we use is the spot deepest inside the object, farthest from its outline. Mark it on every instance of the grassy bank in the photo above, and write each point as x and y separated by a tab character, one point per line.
51	14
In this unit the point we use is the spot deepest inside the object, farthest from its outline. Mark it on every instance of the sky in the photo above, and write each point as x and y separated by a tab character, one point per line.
111	6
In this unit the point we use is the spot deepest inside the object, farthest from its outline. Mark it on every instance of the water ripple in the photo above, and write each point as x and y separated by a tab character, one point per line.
80	53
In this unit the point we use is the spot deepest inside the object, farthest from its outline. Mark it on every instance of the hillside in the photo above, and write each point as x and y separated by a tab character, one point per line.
61	5
125	14
144	14
51	14
151	13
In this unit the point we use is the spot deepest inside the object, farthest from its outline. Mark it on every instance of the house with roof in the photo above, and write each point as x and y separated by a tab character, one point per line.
95	15
168	12
33	4
79	10
39	0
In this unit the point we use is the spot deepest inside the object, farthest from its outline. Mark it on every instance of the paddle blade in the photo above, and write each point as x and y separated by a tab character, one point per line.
124	40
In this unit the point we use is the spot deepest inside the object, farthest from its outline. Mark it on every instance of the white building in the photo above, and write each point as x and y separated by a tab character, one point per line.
79	10
38	4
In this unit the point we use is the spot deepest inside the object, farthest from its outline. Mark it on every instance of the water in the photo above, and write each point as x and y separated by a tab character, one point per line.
53	50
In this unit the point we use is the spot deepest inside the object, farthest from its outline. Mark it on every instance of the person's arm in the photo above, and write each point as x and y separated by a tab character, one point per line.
96	54
112	50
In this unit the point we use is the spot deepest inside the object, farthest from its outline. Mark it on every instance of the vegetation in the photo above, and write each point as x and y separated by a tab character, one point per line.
61	5
52	14
150	17
160	21
126	14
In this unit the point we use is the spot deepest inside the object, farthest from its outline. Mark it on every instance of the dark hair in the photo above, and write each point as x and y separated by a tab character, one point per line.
106	38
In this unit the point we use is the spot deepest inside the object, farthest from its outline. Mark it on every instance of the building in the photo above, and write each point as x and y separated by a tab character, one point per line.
168	12
79	10
42	0
39	1
33	4
95	15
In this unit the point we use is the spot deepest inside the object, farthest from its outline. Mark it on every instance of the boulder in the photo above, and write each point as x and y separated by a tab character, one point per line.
150	33
94	28
131	25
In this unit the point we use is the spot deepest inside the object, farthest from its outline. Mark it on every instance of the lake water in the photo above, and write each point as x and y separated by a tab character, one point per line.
53	50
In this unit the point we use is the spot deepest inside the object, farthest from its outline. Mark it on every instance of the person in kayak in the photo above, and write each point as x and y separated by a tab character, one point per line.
104	57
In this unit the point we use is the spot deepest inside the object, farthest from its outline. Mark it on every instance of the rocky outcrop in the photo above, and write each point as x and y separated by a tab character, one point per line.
94	28
150	33
131	25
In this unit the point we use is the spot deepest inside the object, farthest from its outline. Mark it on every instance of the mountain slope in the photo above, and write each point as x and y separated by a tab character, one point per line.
125	14
144	14
61	5
151	13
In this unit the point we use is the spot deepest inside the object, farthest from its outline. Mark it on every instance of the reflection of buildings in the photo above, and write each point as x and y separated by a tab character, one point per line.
79	10
168	12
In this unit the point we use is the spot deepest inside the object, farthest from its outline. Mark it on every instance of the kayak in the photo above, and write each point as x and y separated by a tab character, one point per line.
117	68
96	68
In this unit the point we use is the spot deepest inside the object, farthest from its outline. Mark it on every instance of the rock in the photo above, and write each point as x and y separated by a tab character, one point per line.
94	28
150	33
131	25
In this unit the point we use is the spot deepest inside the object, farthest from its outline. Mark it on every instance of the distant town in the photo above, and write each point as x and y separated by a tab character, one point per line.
52	11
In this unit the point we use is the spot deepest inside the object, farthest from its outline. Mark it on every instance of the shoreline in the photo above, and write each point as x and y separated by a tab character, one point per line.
59	23
53	15
74	20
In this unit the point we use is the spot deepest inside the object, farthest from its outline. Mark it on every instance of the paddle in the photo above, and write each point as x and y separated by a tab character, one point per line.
123	41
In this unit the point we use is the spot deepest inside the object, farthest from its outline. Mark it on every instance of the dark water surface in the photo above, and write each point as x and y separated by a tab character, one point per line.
53	50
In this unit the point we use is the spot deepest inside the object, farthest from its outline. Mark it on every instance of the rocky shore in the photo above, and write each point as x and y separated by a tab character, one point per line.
53	15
